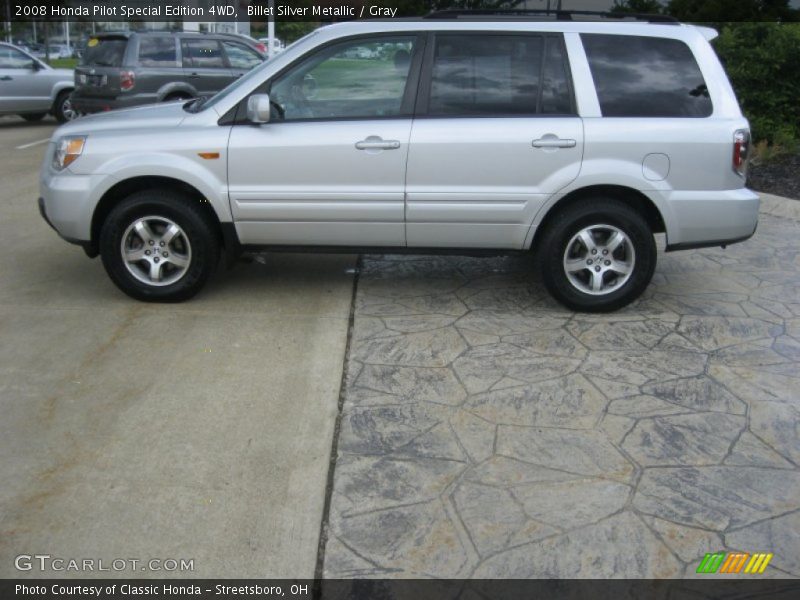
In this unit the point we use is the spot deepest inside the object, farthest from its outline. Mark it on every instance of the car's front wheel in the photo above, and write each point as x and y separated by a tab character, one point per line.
159	246
597	255
63	110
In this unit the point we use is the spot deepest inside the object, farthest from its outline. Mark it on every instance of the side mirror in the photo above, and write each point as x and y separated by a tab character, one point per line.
36	65
258	108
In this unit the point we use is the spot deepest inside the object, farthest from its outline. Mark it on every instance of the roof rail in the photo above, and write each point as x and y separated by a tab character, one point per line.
544	14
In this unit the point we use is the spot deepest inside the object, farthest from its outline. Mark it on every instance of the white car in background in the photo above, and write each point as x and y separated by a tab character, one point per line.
60	51
277	45
32	89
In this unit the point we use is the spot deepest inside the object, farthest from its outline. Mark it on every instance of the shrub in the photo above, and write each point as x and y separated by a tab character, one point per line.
763	64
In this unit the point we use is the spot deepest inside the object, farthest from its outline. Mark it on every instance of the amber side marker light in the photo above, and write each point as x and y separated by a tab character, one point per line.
68	149
208	155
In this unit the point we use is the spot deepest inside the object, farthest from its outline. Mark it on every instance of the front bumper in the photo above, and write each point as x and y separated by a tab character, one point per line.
67	203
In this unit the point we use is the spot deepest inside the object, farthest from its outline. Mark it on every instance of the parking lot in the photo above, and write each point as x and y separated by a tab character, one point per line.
197	431
485	431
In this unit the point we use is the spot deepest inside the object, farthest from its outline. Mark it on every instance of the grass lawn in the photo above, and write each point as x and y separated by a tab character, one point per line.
63	63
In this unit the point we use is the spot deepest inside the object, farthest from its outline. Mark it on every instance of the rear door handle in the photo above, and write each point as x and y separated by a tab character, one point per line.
374	142
6	78
554	142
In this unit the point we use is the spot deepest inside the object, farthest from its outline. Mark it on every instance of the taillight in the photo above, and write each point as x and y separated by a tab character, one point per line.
741	151
127	79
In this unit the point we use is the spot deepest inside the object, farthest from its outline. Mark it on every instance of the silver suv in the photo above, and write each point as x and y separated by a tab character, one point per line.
576	139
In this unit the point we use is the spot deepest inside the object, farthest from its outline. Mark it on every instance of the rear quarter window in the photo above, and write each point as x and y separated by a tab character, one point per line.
104	52
638	76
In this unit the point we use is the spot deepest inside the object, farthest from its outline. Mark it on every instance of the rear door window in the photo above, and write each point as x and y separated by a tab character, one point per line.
499	75
104	52
202	54
158	51
637	76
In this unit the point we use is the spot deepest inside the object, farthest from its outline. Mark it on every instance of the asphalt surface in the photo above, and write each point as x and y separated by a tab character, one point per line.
199	431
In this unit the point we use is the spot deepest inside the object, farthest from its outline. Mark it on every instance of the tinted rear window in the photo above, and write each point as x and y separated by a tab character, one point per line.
639	76
158	52
486	75
104	52
499	75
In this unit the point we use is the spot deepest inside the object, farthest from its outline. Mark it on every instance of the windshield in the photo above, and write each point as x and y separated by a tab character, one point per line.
251	75
104	52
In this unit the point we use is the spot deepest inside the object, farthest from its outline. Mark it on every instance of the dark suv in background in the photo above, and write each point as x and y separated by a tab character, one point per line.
119	70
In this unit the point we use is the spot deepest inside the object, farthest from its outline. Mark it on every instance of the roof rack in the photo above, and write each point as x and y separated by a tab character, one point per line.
545	14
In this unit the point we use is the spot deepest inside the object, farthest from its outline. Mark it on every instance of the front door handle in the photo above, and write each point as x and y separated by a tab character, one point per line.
374	142
6	78
554	142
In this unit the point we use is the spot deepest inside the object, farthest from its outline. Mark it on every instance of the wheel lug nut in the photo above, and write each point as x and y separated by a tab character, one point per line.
608	263
161	244
156	259
594	251
588	262
605	252
147	252
151	242
597	268
165	255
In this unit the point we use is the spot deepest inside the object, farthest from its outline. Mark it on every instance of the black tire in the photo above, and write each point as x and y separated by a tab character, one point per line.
62	107
196	227
33	117
560	235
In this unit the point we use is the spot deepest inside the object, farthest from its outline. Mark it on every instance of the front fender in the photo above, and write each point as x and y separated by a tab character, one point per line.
210	182
60	87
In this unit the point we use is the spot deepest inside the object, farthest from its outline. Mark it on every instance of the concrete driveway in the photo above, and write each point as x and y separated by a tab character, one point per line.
199	431
489	433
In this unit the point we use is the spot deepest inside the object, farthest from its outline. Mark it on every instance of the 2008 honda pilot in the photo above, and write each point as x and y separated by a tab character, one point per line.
576	139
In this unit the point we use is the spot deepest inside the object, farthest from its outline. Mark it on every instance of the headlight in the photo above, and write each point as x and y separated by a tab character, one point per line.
68	149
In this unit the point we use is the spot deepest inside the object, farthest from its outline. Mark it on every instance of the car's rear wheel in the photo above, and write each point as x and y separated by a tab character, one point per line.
159	246
63	110
597	255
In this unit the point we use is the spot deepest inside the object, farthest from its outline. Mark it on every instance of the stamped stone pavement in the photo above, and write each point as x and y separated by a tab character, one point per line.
488	432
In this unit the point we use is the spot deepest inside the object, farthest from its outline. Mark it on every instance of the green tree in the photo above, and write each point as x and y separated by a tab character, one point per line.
645	7
725	11
762	63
